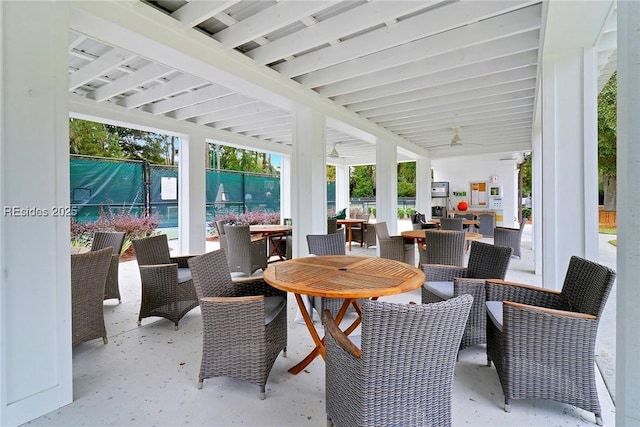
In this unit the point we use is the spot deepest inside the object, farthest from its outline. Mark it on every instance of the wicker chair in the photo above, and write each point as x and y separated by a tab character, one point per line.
222	238
357	231
114	240
451	224
509	237
244	255
402	373
244	322
167	288
370	235
466	216
486	261
332	225
443	247
327	244
542	342
88	277
394	247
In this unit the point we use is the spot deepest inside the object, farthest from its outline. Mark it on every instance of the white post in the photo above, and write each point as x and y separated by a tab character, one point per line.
342	187
628	219
387	185
423	186
192	195
285	188
35	291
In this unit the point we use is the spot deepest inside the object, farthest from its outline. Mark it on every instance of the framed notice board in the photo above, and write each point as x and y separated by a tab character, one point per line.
478	192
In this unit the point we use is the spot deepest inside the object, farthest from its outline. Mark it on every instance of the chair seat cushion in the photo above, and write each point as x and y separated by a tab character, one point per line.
272	307
184	275
494	310
444	290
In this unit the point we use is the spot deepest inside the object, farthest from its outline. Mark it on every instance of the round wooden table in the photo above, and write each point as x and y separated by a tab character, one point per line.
419	235
275	233
350	222
340	276
466	222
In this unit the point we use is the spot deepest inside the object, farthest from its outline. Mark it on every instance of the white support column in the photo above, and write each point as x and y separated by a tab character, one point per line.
628	173
569	161
285	188
35	291
192	194
508	174
423	186
342	187
308	178
536	199
387	185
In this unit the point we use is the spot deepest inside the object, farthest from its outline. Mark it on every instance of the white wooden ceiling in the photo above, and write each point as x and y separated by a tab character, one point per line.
412	70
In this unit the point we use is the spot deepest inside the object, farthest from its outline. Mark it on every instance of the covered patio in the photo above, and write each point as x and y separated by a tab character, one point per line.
381	82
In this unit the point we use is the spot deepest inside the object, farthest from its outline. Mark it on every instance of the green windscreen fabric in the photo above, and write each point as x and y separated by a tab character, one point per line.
164	204
99	184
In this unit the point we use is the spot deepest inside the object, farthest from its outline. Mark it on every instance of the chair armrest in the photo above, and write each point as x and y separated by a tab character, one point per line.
500	290
181	260
232	299
551	311
255	286
515	230
341	338
442	272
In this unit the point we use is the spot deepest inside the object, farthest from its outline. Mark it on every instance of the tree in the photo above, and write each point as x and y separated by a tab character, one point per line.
607	135
92	139
138	144
362	181
407	179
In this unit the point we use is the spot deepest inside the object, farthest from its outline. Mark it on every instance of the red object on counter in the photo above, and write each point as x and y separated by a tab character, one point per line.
462	206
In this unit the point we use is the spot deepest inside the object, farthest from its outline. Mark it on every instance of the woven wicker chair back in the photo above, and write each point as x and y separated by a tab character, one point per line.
106	239
152	250
326	244
586	286
451	224
444	247
487	261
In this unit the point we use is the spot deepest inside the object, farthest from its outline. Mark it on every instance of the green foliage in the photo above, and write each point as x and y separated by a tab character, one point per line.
92	139
410	212
526	212
236	159
401	213
526	176
371	210
407	179
607	127
362	181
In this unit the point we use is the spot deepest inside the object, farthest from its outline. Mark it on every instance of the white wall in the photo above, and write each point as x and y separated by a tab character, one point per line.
460	171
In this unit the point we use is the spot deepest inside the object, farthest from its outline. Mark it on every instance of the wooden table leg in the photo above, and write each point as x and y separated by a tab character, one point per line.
348	225
319	350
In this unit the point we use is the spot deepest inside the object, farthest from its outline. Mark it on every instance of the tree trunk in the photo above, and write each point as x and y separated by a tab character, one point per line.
610	192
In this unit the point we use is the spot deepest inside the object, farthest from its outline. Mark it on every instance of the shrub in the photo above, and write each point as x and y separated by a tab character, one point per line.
249	218
133	226
401	213
372	211
526	212
410	212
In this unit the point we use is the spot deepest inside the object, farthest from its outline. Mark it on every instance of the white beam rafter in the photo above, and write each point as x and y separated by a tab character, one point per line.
194	96
196	12
218	104
140	77
175	86
110	60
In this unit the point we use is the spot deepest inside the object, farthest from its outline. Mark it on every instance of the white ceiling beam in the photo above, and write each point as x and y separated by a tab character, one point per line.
251	118
194	96
439	115
270	130
451	125
131	81
218	104
173	87
284	119
440	19
477	70
196	12
463	119
273	18
441	63
229	113
525	73
472	39
451	107
508	135
349	22
508	88
108	61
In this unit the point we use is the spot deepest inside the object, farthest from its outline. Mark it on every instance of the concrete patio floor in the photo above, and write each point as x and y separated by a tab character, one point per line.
148	375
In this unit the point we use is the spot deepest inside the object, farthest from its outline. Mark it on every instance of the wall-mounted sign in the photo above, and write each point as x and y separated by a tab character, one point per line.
478	192
168	188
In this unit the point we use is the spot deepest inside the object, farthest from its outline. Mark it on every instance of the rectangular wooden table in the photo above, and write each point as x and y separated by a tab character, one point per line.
350	222
275	233
340	276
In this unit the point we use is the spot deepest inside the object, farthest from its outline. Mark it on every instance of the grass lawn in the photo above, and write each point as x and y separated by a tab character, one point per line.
609	230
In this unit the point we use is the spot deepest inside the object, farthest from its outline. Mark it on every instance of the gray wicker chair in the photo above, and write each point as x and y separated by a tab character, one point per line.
370	235
332	225
88	277
222	238
486	261
244	322
402	372
542	342
244	255
114	240
452	224
394	247
357	231
167	288
443	247
327	244
509	237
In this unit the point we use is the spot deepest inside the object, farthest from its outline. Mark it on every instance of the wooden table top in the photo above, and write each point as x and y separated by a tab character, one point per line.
420	234
269	228
348	221
344	276
464	221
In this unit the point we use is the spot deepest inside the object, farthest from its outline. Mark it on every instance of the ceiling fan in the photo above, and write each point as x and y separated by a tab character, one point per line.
333	154
456	141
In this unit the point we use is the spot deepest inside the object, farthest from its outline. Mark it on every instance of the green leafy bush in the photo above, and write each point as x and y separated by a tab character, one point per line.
401	213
